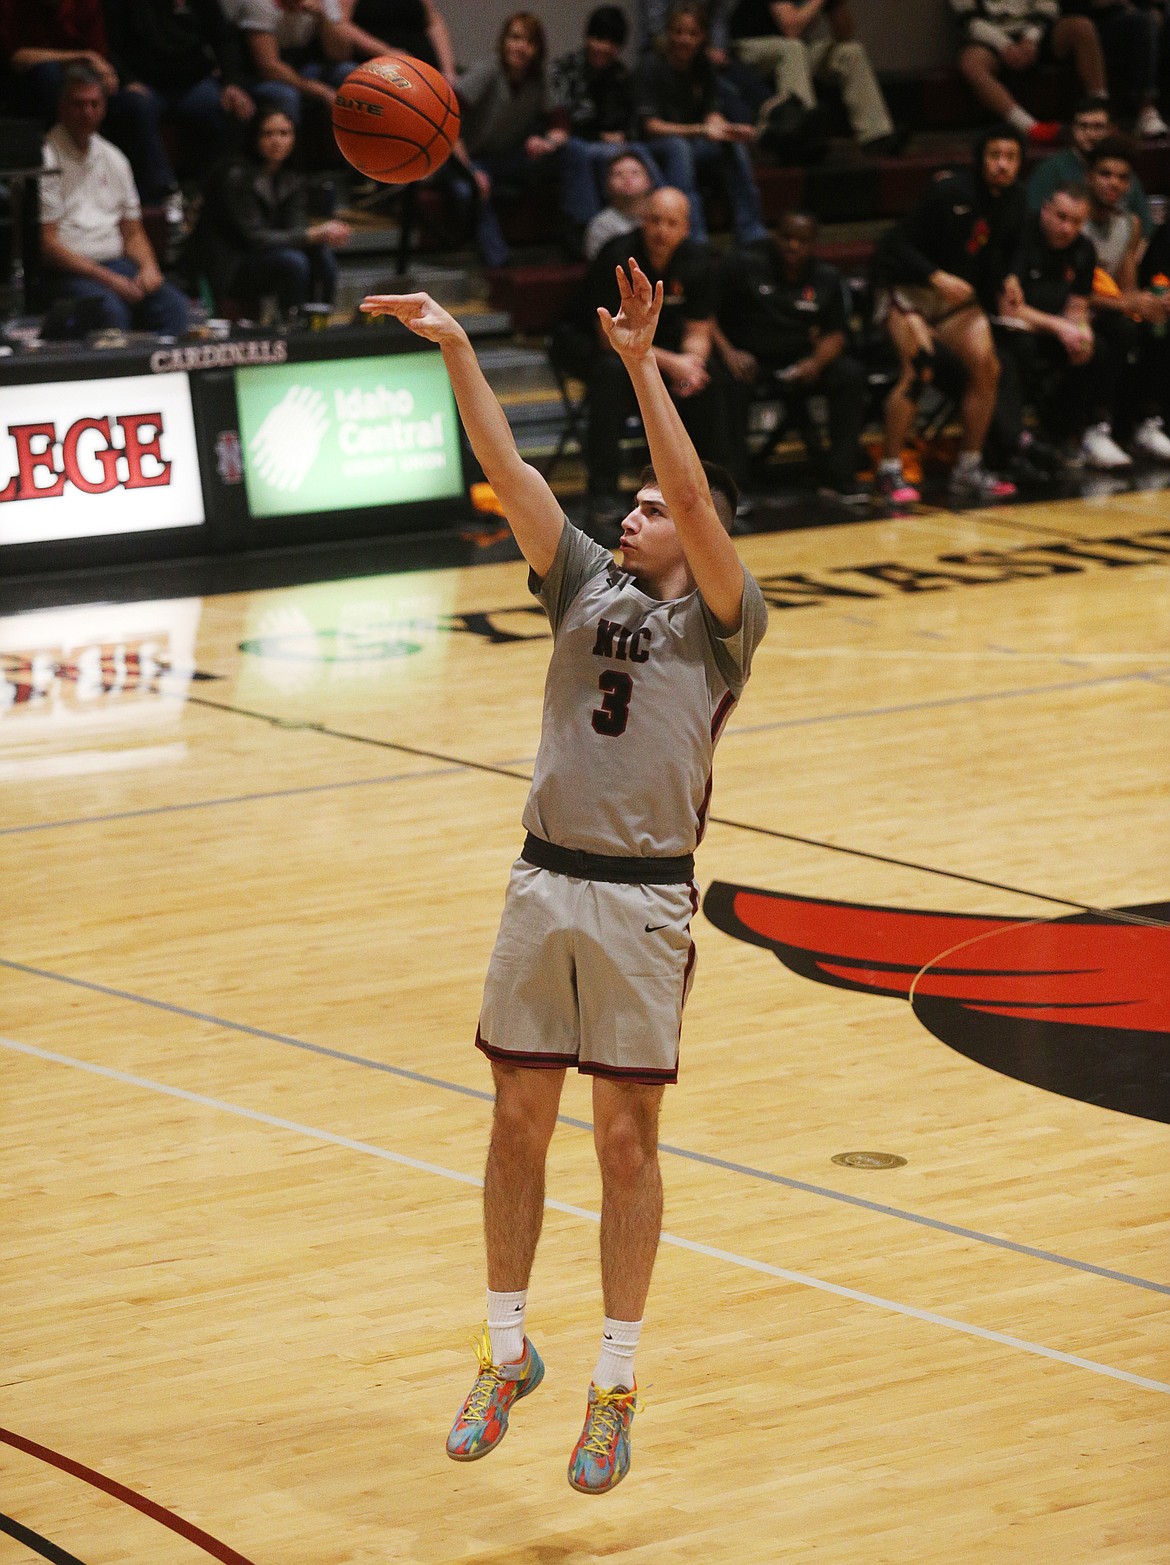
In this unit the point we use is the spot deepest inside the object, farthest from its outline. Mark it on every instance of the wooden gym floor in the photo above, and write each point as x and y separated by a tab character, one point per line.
253	852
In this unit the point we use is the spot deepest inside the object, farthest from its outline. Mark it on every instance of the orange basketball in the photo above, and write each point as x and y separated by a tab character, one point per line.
395	119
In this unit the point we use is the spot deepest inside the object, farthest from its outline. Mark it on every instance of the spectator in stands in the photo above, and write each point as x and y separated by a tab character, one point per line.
1015	36
186	63
783	320
937	274
506	127
742	86
593	99
799	42
1048	354
414	27
684	120
254	239
38	41
1129	42
682	346
1130	320
628	183
1090	124
93	245
296	50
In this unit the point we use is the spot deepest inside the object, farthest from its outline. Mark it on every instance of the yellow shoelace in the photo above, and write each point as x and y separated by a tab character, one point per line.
486	1382
605	1416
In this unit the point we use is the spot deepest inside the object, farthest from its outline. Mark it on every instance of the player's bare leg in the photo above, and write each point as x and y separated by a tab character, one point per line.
911	337
625	1131
968	335
523	1121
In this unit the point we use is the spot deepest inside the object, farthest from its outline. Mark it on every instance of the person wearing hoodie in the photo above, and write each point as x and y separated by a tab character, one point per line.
938	273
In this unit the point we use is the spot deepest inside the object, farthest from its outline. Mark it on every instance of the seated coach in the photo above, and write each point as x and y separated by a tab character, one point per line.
783	318
682	346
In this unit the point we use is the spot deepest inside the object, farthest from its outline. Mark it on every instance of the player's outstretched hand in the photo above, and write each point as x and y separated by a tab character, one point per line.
418	311
631	332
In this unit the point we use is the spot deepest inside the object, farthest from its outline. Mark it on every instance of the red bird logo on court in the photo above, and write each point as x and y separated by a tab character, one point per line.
1077	1005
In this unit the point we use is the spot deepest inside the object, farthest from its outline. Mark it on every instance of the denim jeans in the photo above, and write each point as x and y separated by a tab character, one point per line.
164	311
296	276
583	166
683	158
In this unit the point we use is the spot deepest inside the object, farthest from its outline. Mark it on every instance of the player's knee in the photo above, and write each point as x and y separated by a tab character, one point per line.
525	1112
625	1147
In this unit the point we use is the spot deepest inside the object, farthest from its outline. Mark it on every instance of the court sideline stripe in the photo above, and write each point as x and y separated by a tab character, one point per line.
729	1257
119	1491
33	1540
765	1175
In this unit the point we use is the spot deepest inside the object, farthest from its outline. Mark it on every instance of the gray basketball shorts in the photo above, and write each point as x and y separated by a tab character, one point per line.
589	973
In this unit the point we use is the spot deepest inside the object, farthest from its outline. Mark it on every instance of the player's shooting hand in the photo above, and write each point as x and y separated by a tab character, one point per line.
631	332
418	312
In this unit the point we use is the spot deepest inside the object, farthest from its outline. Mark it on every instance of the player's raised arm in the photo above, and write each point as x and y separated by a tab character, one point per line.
533	511
709	551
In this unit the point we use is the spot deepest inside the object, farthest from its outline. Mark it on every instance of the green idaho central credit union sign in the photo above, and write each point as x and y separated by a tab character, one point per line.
338	434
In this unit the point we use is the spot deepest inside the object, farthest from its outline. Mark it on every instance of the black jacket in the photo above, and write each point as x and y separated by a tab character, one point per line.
958	226
243	215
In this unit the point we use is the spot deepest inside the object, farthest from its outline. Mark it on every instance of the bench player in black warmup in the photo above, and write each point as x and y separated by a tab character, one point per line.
594	958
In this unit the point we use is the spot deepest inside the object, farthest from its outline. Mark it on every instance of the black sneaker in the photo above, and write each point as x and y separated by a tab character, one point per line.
854	495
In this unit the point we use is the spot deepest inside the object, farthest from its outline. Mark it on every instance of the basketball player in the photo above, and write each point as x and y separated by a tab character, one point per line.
594	958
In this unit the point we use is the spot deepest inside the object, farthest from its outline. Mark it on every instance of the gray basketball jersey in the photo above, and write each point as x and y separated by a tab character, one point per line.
637	694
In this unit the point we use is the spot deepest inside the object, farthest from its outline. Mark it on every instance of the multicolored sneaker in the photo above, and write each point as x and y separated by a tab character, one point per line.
601	1458
483	1419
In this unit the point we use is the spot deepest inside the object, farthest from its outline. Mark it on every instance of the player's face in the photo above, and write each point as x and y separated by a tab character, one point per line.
1001	163
1109	181
650	542
1062	217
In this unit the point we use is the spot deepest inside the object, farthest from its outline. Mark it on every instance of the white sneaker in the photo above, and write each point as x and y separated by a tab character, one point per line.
1101	451
1150	124
1152	440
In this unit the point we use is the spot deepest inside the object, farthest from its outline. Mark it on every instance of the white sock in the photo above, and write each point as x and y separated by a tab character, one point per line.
1021	119
891	465
505	1318
967	461
615	1367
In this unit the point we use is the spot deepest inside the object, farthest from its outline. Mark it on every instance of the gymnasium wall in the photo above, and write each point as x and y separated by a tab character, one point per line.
901	35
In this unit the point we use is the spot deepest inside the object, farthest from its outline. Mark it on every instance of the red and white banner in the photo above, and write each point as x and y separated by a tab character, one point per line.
82	459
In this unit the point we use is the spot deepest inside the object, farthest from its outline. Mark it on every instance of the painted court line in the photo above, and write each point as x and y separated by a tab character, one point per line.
728	1257
400	1071
455	764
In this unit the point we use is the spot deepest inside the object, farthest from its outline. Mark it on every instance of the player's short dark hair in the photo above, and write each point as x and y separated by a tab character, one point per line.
608	22
1118	149
724	489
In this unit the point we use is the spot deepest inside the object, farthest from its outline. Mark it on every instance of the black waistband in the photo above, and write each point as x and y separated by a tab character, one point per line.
600	866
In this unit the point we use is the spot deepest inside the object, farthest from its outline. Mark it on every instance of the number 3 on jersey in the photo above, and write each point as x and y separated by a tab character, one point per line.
611	717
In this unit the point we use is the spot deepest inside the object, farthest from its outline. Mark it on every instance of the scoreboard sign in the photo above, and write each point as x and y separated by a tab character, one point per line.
83	459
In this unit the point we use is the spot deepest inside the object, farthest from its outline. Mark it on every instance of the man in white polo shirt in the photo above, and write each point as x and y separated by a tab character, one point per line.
93	244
